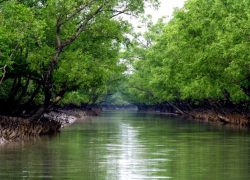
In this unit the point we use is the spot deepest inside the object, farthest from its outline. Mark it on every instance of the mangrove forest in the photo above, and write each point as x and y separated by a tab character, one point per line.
125	89
86	54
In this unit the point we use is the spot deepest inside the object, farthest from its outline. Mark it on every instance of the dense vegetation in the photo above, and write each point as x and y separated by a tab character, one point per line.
70	51
200	58
60	51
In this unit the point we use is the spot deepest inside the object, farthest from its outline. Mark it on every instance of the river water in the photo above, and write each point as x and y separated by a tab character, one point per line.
124	145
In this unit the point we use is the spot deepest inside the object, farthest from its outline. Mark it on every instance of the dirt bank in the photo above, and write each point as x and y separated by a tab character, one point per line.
226	118
221	116
14	129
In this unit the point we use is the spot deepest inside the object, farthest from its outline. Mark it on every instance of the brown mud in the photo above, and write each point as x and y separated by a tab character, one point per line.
221	116
16	129
234	119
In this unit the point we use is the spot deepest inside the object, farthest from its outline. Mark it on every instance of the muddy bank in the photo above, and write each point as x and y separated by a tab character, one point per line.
221	116
14	129
232	118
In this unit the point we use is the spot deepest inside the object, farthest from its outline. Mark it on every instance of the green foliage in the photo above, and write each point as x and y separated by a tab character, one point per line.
19	29
52	48
116	99
201	53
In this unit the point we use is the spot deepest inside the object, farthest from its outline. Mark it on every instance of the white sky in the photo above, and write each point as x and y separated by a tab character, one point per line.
166	9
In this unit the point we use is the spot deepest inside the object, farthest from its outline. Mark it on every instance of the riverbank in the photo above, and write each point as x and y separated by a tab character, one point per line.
14	129
232	118
220	117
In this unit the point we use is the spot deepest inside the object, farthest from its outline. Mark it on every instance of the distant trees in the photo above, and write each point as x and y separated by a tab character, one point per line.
200	57
53	48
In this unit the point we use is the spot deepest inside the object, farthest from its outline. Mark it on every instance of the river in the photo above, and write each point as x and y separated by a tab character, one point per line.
124	145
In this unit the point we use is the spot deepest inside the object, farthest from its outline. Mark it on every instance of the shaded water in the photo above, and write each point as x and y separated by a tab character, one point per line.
129	145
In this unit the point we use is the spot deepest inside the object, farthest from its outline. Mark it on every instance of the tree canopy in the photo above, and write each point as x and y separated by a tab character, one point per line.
202	54
54	49
70	51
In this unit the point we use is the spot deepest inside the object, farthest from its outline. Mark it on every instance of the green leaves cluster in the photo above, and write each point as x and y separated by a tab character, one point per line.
52	48
202	53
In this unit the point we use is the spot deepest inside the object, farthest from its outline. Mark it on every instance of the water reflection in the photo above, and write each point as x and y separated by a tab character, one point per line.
131	146
127	157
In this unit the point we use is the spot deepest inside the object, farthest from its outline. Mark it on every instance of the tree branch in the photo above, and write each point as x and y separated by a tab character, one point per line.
119	12
143	90
4	73
81	28
75	13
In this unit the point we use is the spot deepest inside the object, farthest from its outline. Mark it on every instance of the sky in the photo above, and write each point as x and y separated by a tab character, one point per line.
166	9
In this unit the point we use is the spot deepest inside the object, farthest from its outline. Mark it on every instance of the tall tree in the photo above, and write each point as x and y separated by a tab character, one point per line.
49	47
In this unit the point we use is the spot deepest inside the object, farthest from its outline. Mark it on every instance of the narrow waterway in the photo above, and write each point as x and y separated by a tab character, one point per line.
126	145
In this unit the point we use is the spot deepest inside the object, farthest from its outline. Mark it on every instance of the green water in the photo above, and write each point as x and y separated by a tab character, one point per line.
129	145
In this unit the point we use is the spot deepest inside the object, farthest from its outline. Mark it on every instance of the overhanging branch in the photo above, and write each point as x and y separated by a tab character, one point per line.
81	28
4	73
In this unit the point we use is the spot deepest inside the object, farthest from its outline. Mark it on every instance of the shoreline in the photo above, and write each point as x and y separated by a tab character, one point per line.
231	119
15	129
235	120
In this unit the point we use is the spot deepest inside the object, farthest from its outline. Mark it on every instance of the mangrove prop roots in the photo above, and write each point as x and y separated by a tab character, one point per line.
229	118
14	128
